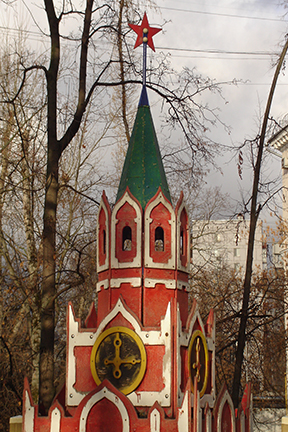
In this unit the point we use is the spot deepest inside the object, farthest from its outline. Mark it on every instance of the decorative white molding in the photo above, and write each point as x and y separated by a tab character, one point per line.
180	394
155	421
29	415
119	308
186	336
169	283
280	140
104	283
226	398
116	283
104	393
74	338
137	260
208	398
208	421
55	420
105	266
183	418
181	284
147	258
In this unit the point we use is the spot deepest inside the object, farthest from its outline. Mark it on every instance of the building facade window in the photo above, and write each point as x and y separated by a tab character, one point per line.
236	252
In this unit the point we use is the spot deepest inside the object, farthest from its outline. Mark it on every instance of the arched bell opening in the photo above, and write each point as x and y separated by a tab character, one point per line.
159	244
127	239
126	233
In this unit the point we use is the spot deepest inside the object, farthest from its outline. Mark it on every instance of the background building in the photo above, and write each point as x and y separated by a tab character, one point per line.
218	243
279	142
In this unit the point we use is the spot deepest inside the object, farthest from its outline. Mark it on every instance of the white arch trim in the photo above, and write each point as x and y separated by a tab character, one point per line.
155	421
183	418
226	398
29	414
106	264
104	393
137	260
148	260
55	420
179	265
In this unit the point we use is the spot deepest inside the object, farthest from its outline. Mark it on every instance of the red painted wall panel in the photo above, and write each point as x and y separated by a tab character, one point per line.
84	379
104	417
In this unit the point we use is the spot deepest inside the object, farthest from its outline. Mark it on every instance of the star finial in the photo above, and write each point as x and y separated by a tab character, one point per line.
144	33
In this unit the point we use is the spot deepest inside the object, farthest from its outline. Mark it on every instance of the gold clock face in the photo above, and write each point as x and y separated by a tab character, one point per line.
198	361
119	355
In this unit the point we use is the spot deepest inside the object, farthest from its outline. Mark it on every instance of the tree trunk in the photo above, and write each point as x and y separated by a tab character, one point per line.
254	213
35	338
48	283
55	148
46	369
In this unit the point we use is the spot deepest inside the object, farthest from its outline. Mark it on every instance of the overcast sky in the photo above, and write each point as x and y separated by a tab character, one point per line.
229	40
224	40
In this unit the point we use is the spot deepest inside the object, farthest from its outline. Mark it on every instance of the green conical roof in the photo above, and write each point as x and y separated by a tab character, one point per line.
143	170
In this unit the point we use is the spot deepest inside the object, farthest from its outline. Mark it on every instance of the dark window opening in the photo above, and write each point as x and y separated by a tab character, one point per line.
104	242
159	239
181	242
126	239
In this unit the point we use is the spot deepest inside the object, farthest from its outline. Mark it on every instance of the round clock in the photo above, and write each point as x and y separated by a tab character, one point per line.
119	355
198	361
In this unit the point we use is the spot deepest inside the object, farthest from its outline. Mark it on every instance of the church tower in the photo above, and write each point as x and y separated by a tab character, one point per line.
143	266
141	362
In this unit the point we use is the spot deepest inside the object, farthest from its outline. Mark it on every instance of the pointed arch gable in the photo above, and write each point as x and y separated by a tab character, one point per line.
207	419
104	393
126	222
194	323
182	235
194	320
103	234
160	227
224	411
29	409
155	420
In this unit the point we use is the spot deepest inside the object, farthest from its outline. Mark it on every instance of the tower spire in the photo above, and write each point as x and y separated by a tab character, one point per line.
143	170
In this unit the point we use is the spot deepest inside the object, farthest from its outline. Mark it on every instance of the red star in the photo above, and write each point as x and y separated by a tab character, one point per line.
142	34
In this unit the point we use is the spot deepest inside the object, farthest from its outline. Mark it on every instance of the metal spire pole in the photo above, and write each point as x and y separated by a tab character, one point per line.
145	40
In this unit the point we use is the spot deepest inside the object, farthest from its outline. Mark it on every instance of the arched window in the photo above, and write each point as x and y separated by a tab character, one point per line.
104	242
181	241
126	239
103	238
159	239
160	235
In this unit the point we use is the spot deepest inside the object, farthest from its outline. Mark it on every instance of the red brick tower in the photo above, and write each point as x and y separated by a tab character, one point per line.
141	362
